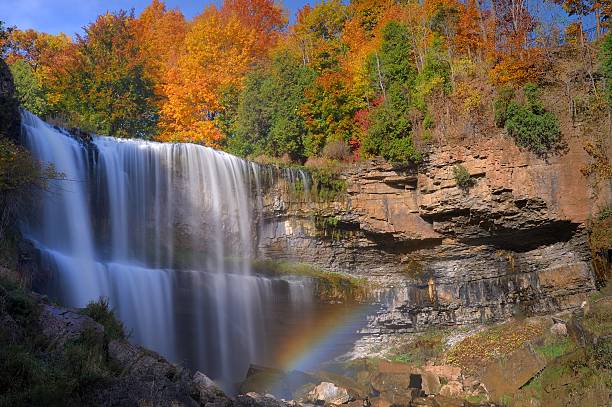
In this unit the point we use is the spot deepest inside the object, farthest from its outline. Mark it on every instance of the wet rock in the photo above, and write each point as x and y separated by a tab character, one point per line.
452	389
61	325
354	389
204	390
253	399
329	393
384	382
286	385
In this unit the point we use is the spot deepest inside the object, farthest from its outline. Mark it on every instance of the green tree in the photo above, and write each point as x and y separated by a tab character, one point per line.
394	74
109	92
435	76
267	120
329	112
29	91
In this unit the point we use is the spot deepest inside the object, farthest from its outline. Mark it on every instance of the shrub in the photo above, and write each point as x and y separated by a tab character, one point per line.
327	184
20	177
337	150
101	312
462	176
502	101
326	181
528	123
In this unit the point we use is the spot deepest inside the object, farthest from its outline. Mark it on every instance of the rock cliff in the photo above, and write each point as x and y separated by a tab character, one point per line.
10	120
443	255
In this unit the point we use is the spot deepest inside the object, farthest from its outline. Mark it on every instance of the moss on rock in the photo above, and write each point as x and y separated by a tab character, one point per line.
328	286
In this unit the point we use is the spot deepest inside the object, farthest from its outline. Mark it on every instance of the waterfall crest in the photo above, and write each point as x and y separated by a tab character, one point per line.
164	231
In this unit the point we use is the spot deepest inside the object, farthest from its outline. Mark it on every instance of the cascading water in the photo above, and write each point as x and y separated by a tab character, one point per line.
129	215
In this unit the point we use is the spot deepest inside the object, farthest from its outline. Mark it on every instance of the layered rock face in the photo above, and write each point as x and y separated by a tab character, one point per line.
514	242
10	120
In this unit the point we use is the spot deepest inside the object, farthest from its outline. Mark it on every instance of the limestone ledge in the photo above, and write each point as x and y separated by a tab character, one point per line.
441	255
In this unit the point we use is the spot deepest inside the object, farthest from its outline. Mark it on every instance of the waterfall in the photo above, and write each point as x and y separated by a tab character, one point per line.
164	231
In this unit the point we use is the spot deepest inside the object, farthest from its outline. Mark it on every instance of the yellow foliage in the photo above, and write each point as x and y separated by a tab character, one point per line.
218	53
518	68
470	96
159	33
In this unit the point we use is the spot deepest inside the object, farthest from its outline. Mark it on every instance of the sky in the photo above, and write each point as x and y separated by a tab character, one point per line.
69	16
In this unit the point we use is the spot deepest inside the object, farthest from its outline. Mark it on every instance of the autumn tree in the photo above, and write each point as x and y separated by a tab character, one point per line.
517	61
218	53
48	57
159	33
582	8
265	17
469	39
219	50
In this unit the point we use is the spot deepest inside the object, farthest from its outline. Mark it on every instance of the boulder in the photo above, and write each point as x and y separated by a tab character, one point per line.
559	329
441	401
205	390
452	389
253	399
138	361
430	383
447	372
329	393
138	391
286	385
61	325
507	374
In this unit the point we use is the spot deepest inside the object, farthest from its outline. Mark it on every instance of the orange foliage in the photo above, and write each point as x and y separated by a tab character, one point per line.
160	34
219	51
264	16
48	55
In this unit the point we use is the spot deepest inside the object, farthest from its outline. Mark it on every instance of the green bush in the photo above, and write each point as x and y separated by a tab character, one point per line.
29	90
501	104
462	176
34	372
390	134
101	312
529	123
326	184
